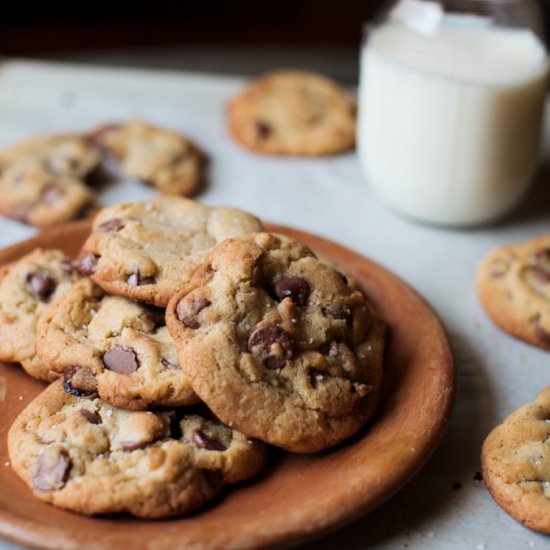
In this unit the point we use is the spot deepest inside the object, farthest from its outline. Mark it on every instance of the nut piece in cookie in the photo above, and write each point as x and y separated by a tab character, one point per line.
293	113
107	344
513	286
85	455
27	286
516	464
43	179
164	159
277	344
146	251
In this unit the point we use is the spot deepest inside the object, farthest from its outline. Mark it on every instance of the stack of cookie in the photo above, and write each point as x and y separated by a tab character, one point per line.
181	341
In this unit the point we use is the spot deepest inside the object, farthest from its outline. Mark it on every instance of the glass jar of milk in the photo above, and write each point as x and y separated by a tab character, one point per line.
451	103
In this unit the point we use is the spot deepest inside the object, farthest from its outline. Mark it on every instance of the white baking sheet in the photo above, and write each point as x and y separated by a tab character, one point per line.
496	374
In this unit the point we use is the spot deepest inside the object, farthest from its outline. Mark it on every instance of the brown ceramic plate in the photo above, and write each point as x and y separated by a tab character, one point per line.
298	497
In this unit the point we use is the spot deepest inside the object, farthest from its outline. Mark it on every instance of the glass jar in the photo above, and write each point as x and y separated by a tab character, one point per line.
451	103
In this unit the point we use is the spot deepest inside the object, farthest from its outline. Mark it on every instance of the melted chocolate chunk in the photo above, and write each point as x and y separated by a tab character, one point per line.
54	466
272	345
87	263
91	416
295	288
263	129
121	360
115	224
42	284
187	310
135	279
202	441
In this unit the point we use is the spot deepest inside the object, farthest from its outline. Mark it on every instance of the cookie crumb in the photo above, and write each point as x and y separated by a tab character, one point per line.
478	476
20	398
457	485
7	463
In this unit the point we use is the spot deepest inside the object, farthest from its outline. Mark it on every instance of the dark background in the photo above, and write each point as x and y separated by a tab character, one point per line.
45	27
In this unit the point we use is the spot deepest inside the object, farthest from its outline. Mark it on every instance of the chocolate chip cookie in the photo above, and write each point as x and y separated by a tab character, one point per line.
293	113
26	287
131	359
514	289
277	344
85	455
164	159
43	180
146	251
516	463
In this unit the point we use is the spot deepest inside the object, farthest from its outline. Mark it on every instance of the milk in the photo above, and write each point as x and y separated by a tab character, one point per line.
450	118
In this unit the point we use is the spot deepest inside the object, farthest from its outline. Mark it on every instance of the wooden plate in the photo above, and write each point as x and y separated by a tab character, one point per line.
298	497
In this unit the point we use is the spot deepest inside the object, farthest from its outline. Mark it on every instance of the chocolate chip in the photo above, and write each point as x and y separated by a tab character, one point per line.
79	380
202	441
295	288
115	224
169	365
121	360
133	445
51	194
54	466
91	416
135	279
263	129
42	284
542	334
538	273
271	344
87	263
187	311
67	266
338	313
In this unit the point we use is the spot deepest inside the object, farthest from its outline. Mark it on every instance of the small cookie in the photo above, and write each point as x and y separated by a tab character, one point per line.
164	159
82	454
147	250
125	346
513	286
277	344
42	180
26	287
516	464
293	113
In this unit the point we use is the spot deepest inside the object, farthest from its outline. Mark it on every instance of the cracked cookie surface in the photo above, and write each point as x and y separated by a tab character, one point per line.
132	359
277	344
146	251
293	113
26	287
43	179
514	289
83	454
162	158
516	463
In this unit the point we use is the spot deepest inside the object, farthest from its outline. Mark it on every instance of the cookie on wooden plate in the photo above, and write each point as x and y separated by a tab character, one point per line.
514	289
162	158
82	454
130	359
147	250
293	113
516	463
26	287
277	344
43	179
